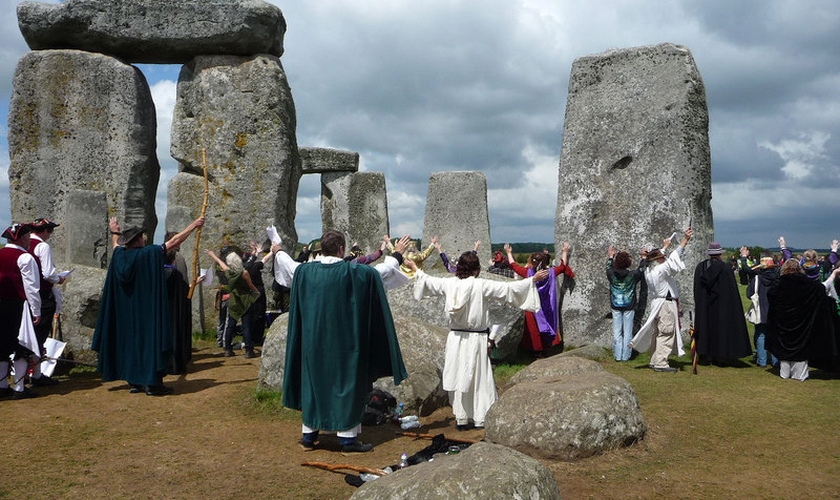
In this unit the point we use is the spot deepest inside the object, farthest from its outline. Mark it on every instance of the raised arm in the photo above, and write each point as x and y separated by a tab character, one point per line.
219	262
180	237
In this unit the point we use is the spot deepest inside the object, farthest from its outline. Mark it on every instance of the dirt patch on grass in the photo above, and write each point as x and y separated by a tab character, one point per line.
211	439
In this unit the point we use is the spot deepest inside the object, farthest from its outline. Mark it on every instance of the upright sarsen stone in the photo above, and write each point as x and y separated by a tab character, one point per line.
456	211
81	121
634	168
240	111
155	31
355	203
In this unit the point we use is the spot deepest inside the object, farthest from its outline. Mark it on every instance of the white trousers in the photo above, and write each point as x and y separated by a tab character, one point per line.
797	370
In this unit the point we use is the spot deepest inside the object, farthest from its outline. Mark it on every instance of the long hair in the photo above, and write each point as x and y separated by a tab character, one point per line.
468	265
791	266
622	260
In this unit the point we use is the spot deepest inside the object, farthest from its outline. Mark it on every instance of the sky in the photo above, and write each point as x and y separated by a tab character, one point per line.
425	86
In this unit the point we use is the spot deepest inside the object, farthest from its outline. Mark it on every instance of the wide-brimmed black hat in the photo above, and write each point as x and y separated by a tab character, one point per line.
128	235
15	231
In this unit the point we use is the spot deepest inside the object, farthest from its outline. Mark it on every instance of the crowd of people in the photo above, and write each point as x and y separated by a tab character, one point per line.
341	334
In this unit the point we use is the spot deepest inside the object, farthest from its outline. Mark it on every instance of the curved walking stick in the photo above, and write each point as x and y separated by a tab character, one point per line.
198	231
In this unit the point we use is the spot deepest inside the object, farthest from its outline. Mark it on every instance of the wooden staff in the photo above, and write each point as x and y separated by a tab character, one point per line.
432	436
355	468
198	231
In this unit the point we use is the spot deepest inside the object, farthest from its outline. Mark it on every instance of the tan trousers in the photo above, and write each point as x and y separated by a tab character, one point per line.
663	343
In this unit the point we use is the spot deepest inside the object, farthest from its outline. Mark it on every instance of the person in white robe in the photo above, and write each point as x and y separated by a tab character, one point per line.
660	332
467	371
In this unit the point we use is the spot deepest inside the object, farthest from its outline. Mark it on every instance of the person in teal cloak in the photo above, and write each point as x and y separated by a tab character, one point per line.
132	334
341	338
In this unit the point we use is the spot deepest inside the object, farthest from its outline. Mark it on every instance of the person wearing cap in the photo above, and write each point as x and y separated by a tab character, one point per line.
719	324
19	280
50	296
341	339
660	332
133	334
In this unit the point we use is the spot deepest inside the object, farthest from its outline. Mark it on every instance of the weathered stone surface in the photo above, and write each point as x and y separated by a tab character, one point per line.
566	416
592	352
554	367
484	471
634	168
85	226
430	310
422	347
240	110
155	31
273	358
81	121
355	203
323	160
456	211
80	307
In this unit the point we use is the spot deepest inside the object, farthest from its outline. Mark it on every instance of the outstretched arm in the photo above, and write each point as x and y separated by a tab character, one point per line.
220	262
180	237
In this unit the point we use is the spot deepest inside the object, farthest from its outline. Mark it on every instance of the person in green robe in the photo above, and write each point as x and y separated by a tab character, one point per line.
341	338
133	335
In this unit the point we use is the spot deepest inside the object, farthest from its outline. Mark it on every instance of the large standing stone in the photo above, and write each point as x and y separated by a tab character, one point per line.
484	471
456	211
240	110
155	31
634	168
81	121
355	203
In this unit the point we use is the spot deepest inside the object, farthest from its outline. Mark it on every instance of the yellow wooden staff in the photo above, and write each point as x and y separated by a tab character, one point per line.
198	231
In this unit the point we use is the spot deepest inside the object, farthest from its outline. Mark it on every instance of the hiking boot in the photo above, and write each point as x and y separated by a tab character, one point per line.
229	352
250	353
354	448
135	389
43	381
465	427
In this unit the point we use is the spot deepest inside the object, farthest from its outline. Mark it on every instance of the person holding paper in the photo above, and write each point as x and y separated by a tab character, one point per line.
49	277
467	371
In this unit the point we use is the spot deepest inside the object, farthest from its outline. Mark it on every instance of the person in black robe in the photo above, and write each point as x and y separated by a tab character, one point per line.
180	315
803	322
719	325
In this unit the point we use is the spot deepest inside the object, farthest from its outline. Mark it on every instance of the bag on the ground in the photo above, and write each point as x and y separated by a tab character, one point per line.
379	406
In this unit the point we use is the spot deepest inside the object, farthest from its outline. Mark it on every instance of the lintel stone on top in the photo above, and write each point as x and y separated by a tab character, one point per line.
323	160
155	31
